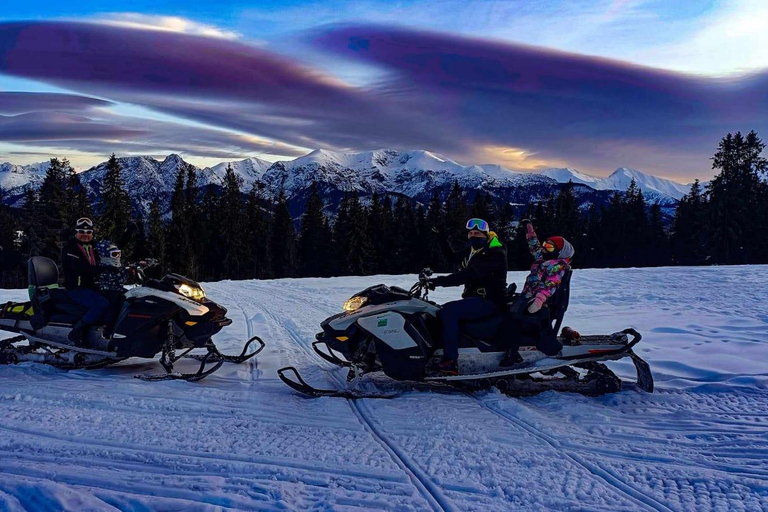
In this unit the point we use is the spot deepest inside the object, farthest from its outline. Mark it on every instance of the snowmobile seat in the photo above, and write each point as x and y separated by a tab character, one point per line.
49	301
558	303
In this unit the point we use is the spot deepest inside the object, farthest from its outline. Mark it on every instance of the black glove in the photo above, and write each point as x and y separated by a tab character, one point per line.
437	230
435	282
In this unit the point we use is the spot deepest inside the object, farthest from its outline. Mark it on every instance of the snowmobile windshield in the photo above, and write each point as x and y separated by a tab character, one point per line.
382	293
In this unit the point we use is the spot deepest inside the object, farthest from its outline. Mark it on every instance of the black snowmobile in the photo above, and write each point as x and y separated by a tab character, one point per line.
396	331
157	317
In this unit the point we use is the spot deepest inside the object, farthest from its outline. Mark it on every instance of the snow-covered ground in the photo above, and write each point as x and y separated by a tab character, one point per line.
101	440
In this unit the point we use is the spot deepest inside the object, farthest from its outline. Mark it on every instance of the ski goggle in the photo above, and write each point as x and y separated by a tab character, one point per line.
548	246
84	231
85	222
115	254
478	224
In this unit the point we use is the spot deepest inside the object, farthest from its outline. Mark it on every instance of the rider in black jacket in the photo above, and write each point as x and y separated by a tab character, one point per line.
79	263
483	273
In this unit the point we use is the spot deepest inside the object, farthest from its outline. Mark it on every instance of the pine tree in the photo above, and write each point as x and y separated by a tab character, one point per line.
435	229
156	239
313	240
736	195
177	240
259	229
115	205
566	214
689	228
194	219
283	239
379	225
232	227
53	204
456	215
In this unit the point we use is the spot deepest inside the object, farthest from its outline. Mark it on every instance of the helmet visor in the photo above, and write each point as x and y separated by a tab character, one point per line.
478	224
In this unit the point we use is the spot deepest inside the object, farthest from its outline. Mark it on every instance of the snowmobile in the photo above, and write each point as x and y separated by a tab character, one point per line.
158	316
398	332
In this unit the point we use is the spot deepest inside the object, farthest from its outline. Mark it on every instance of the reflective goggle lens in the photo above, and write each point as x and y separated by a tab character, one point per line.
477	224
115	254
548	246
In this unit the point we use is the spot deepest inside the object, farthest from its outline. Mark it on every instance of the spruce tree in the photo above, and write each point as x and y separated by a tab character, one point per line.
313	238
379	225
194	220
689	228
283	239
53	205
435	230
738	214
177	240
115	205
156	239
259	231
232	227
456	215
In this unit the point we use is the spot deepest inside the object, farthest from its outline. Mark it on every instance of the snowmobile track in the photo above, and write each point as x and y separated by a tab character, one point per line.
638	497
421	481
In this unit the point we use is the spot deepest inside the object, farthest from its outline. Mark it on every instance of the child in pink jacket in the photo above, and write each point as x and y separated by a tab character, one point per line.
551	261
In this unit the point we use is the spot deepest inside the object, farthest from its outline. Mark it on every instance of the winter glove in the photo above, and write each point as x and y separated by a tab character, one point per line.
537	303
435	282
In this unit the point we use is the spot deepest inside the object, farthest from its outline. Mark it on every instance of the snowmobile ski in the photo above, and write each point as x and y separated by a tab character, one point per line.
329	355
167	362
214	354
300	385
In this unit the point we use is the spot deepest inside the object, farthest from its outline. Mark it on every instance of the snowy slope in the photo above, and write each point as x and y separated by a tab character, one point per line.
620	180
17	177
249	171
241	440
412	173
147	180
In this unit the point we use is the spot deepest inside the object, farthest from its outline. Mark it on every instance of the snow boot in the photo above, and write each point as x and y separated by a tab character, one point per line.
445	368
79	334
511	358
572	336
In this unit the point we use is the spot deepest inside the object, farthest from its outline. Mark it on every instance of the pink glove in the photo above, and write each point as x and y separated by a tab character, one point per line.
529	230
537	304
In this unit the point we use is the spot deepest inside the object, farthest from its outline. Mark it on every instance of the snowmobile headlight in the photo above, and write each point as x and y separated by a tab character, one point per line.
354	303
193	292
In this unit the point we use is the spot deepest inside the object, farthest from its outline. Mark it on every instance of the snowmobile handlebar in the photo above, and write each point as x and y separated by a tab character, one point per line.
420	290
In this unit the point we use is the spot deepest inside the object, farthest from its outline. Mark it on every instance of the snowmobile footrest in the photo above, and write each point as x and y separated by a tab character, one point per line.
644	375
299	384
330	356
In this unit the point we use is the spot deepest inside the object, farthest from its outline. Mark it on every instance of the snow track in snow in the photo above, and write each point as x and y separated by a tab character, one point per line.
242	440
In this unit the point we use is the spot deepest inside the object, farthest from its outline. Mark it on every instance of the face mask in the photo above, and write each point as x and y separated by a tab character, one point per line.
477	243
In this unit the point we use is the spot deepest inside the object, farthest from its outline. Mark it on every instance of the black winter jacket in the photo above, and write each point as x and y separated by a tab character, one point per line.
483	274
79	270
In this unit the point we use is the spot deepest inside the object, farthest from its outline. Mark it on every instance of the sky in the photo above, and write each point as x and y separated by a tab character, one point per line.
651	85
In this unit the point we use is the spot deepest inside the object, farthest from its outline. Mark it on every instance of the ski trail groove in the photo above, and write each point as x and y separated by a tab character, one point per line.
608	477
421	481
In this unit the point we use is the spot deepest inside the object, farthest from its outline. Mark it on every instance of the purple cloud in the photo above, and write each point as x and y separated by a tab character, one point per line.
560	104
454	95
12	103
72	122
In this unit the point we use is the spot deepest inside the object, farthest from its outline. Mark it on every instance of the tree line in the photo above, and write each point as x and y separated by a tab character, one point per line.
230	233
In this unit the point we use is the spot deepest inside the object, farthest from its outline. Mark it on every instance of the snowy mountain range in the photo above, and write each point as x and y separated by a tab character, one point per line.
620	180
416	174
